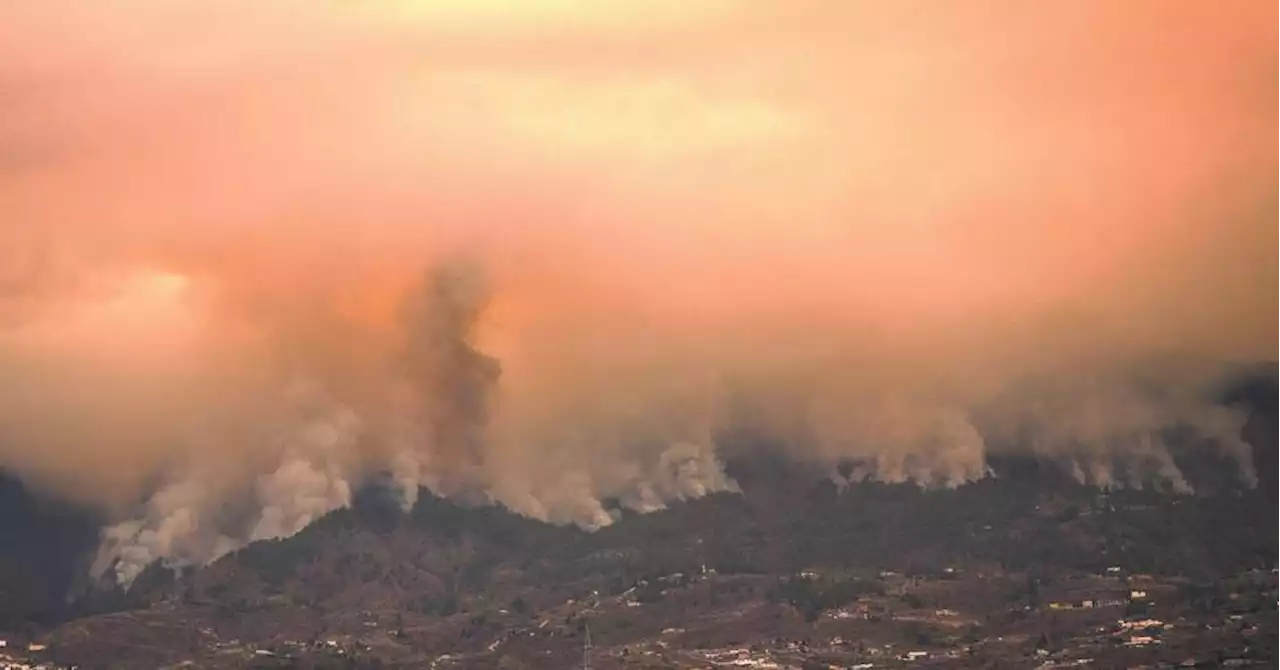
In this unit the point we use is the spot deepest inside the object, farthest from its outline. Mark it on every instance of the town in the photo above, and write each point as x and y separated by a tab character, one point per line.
957	617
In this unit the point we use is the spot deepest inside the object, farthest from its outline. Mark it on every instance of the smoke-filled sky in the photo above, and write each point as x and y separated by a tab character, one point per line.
547	250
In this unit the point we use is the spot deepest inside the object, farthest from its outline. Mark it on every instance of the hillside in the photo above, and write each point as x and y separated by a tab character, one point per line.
45	544
453	579
448	579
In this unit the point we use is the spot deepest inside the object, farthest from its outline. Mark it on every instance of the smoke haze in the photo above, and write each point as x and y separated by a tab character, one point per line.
552	253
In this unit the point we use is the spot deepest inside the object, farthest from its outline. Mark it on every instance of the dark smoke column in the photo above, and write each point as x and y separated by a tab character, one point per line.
454	381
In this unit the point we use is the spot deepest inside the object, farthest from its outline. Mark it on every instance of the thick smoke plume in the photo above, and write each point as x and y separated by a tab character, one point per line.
452	380
254	257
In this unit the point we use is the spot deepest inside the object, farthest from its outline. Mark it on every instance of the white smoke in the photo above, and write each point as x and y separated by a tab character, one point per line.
181	524
175	528
684	471
441	426
430	428
178	525
1113	433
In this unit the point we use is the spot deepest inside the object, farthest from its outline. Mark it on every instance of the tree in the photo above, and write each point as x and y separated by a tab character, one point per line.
812	612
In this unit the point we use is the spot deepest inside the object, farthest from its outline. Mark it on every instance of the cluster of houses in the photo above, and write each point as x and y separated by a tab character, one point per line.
741	658
13	662
1105	597
1141	633
1088	603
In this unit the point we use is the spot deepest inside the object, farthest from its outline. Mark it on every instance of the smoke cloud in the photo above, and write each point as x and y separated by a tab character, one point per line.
550	254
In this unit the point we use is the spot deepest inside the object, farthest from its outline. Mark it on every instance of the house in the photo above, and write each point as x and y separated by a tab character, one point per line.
915	656
1137	595
1143	624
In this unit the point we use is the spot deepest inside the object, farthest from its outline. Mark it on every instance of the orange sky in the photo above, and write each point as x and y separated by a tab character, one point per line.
697	186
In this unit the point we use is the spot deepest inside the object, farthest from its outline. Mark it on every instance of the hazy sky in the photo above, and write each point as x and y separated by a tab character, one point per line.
200	198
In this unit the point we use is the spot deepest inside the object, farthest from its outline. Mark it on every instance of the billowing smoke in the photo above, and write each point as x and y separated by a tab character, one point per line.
452	382
308	473
570	256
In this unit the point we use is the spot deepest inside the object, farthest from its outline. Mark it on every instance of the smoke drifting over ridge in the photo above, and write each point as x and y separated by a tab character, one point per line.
254	257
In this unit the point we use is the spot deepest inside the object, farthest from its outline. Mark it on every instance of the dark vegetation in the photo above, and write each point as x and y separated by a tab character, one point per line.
45	547
815	595
445	559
